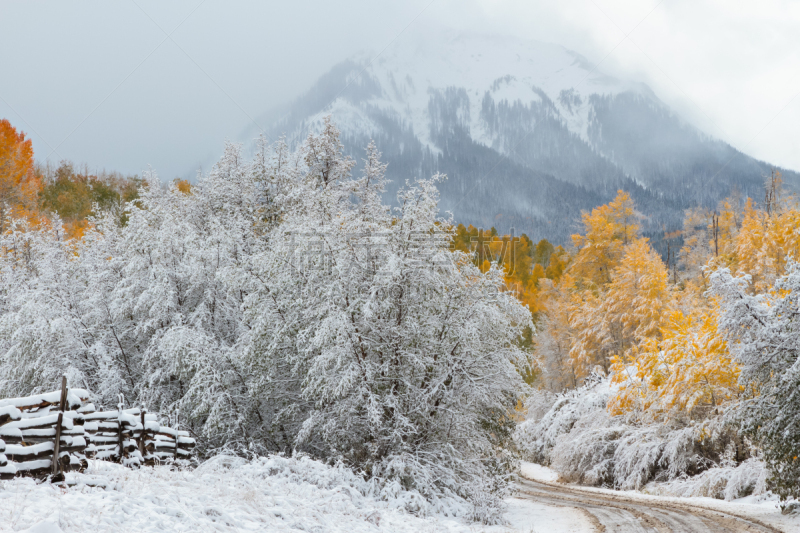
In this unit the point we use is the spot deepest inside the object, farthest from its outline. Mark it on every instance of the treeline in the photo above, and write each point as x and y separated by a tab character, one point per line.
38	191
523	262
75	195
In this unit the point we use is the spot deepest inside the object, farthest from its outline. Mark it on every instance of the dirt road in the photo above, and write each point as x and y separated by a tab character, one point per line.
611	513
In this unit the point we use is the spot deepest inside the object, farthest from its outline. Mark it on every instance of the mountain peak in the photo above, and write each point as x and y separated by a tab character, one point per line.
529	133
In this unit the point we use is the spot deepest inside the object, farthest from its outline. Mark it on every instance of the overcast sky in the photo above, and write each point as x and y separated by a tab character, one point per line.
123	85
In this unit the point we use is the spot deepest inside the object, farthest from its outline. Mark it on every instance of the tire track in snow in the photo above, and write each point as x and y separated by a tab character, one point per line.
614	513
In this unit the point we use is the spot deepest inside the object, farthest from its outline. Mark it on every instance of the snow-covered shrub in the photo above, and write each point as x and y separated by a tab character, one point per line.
143	310
586	454
538	435
538	404
580	440
726	482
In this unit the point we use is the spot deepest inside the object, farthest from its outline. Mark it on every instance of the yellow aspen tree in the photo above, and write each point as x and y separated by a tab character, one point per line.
724	227
639	295
558	262
752	249
637	304
689	367
607	230
709	238
701	370
696	249
785	231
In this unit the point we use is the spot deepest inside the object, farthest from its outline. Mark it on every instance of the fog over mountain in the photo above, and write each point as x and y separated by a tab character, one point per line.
529	134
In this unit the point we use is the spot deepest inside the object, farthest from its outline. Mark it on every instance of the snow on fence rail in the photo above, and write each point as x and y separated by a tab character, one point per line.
56	432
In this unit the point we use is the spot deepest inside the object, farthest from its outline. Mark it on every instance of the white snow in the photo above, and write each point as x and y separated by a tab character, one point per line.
9	410
277	494
230	494
48	420
46	526
526	516
73	397
509	68
538	472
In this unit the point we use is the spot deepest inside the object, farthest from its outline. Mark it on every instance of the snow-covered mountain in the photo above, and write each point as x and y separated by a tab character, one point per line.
528	133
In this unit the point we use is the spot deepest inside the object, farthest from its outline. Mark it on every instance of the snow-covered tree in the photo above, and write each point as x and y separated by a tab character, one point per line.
144	310
763	333
553	344
406	351
44	303
278	305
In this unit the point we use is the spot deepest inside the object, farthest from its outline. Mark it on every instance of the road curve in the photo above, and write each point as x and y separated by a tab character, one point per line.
612	513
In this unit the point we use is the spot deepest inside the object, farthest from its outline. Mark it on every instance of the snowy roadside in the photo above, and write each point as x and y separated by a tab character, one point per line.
763	508
527	516
269	494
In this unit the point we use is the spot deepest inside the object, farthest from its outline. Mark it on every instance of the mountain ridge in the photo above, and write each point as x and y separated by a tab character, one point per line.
529	134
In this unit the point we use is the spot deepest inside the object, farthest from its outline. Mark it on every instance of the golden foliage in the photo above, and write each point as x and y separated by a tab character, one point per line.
183	186
607	230
628	312
658	340
523	263
611	304
689	367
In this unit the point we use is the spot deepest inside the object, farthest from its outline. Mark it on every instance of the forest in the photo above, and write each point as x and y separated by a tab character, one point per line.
278	305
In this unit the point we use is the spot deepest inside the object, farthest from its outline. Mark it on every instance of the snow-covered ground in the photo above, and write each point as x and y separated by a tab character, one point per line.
227	494
526	516
763	508
279	494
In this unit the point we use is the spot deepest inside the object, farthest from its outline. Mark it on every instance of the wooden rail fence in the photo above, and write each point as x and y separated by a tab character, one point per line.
56	432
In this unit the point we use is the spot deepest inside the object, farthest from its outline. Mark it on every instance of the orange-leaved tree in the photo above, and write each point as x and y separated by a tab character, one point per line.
19	186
